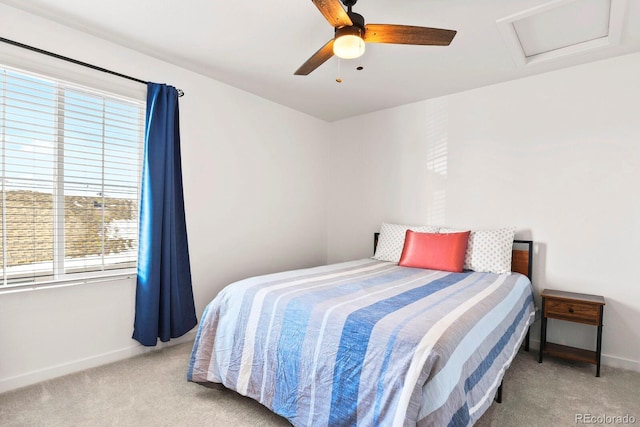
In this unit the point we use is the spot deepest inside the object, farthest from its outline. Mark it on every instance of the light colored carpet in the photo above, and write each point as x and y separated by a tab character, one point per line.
151	390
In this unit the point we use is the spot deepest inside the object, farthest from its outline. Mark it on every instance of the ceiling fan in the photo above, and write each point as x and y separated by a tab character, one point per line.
351	33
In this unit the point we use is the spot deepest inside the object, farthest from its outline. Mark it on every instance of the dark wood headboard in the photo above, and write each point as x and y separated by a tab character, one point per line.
521	255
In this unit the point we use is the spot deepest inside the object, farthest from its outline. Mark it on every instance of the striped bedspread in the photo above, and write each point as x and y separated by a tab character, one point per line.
365	343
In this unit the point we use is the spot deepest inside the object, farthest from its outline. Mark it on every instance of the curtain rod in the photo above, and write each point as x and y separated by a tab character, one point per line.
75	61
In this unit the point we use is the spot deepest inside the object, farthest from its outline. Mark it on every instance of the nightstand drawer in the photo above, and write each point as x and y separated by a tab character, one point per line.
573	311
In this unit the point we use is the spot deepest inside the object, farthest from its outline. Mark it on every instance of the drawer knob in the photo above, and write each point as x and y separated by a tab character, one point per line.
570	309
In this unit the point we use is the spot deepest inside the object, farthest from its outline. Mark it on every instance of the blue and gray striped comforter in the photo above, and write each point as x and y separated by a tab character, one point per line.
365	342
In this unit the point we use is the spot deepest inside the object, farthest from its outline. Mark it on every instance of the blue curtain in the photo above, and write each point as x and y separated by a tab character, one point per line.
164	297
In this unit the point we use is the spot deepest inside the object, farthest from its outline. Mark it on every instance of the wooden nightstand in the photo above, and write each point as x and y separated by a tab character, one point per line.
572	307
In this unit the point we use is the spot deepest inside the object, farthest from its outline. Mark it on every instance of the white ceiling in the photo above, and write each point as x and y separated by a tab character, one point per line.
256	45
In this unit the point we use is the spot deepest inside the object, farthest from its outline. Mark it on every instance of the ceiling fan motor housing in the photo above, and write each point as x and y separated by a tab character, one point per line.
349	31
357	20
357	29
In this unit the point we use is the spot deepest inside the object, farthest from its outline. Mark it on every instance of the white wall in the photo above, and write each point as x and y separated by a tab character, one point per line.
255	195
556	155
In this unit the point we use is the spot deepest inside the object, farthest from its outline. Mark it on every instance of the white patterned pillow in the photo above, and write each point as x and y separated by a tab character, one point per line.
391	239
490	250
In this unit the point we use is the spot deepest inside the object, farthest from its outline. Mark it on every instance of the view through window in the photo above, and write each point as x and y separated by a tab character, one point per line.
69	171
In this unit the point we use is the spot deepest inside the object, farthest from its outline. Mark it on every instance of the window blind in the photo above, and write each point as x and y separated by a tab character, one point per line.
70	173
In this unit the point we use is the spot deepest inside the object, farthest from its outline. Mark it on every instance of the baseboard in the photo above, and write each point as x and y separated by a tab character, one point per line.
619	362
606	360
40	375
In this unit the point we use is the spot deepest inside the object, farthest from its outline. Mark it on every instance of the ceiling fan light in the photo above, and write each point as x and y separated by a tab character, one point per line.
348	43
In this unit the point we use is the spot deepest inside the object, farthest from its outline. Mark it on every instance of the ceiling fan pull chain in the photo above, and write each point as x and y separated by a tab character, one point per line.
339	79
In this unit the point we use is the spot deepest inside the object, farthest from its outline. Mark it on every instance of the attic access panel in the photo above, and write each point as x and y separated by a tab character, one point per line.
562	27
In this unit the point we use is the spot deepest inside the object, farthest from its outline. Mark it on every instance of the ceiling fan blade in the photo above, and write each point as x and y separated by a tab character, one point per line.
333	12
316	60
406	34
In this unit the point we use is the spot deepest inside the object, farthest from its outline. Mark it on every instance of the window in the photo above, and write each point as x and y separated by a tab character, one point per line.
70	172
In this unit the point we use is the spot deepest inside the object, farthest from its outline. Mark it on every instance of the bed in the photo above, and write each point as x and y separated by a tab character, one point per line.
368	342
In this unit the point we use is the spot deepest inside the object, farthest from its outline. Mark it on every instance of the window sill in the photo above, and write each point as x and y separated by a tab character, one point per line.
121	275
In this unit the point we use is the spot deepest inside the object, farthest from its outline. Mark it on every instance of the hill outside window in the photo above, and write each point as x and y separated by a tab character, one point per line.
70	160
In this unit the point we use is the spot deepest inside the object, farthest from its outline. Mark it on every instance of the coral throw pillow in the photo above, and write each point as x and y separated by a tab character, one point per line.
435	251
